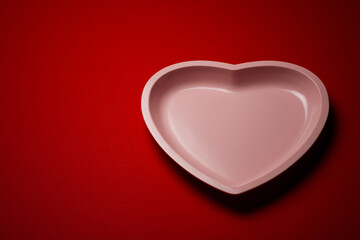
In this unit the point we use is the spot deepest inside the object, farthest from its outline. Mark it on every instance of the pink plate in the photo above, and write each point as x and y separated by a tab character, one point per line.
235	126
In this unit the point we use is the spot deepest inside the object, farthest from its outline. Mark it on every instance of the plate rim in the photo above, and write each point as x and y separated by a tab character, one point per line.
145	108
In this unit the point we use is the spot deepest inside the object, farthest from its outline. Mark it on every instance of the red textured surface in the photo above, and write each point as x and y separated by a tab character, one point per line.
77	162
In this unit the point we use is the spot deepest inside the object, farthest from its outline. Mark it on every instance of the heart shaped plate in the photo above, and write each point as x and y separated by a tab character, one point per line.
235	126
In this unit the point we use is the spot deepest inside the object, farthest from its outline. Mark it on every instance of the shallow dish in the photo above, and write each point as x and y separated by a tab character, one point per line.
235	126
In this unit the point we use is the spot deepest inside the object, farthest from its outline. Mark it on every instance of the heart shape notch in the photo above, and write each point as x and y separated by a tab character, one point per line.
235	127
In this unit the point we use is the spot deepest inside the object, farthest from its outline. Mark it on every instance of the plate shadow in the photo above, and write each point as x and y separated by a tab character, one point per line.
263	195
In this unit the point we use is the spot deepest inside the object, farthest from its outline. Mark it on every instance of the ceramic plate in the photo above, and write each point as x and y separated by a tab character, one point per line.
235	126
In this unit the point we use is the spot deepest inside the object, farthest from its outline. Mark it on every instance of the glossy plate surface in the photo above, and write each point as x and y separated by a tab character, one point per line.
235	126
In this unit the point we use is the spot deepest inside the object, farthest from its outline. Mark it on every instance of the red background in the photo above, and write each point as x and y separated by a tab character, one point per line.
77	161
